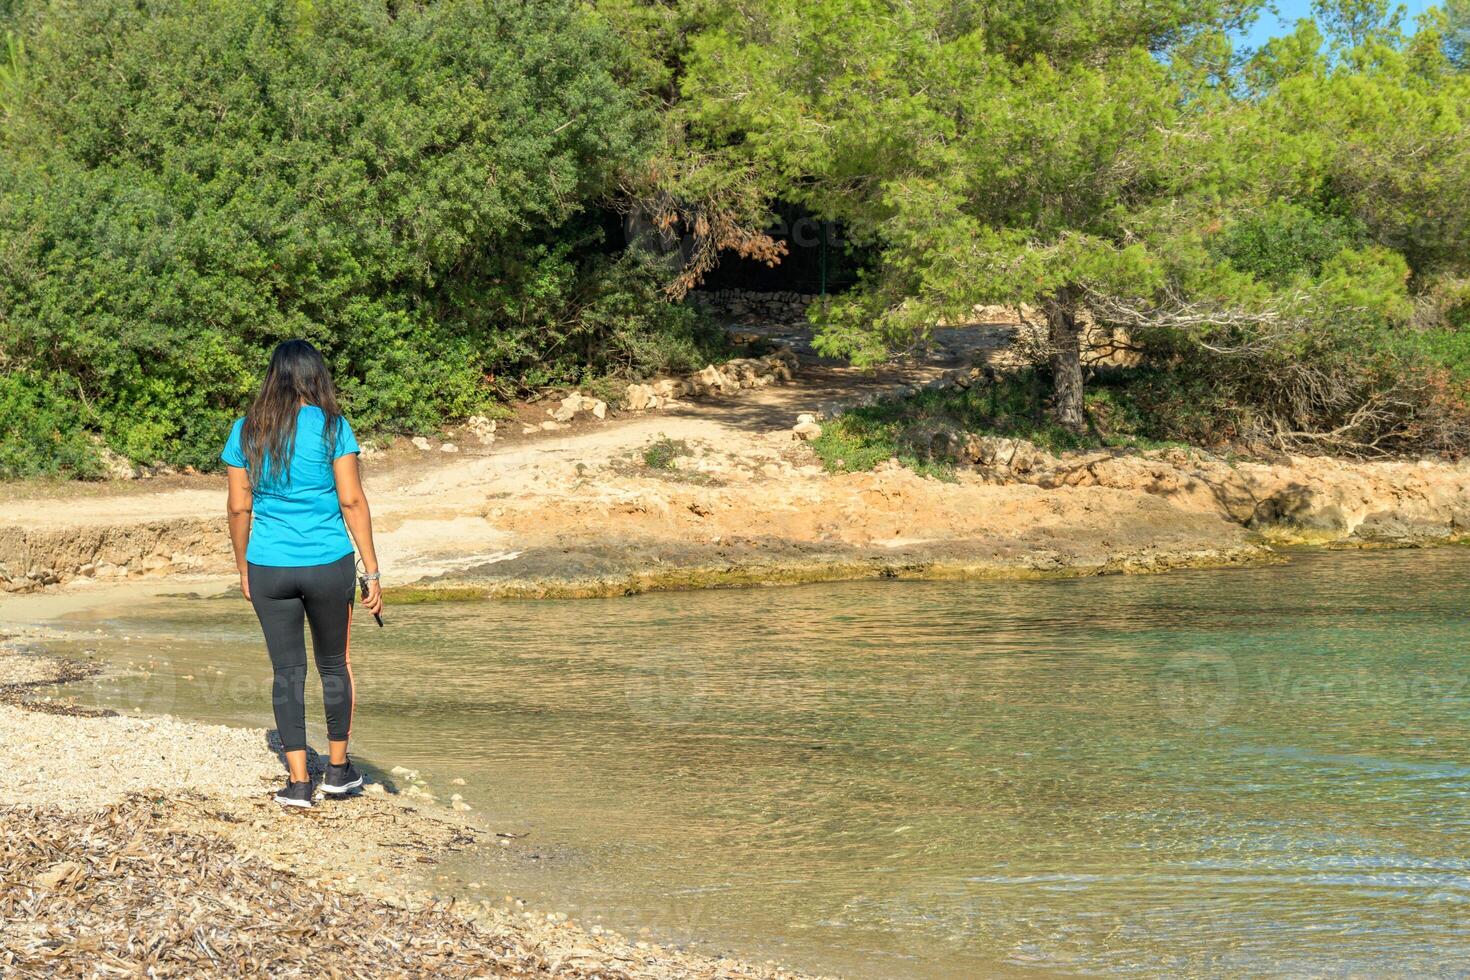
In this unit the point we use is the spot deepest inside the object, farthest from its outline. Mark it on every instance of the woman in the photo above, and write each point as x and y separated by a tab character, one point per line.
292	464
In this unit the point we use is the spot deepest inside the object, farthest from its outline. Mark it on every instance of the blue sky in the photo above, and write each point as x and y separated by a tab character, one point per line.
1269	25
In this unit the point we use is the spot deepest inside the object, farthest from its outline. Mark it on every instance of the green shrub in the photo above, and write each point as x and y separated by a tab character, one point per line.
1446	349
927	431
42	434
411	187
613	322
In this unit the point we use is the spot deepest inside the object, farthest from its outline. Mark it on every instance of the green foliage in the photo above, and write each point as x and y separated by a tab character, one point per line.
1353	23
1451	27
187	184
927	431
662	453
43	434
983	172
1446	349
1284	241
12	70
415	187
1275	220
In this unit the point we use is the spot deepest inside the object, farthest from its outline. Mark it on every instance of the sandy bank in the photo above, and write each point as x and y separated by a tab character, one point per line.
137	844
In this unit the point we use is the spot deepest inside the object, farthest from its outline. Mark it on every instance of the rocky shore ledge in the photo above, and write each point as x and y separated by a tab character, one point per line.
709	513
149	846
714	519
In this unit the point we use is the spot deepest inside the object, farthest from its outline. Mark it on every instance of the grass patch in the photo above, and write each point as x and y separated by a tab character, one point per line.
662	453
927	432
609	388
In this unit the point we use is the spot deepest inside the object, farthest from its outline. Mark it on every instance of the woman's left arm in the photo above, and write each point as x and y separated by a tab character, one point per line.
359	518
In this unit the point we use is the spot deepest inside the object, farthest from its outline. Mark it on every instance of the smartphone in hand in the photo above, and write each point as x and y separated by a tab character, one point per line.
363	582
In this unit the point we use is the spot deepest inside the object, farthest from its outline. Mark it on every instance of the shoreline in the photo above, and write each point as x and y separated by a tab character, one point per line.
723	491
755	571
550	525
224	875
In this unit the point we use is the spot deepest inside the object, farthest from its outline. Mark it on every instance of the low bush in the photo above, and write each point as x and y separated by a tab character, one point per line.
43	433
1418	398
927	431
415	188
664	452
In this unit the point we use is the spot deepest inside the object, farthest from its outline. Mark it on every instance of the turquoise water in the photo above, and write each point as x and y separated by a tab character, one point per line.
1247	771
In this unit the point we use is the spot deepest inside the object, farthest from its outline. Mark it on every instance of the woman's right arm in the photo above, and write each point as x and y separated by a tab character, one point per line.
359	519
238	504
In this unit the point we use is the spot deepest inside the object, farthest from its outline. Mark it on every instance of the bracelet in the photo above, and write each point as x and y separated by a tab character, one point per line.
375	576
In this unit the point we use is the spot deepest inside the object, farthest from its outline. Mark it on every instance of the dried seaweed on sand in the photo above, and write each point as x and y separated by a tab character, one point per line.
124	892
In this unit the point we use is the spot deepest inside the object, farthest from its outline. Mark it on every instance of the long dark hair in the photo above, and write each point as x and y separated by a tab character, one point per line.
297	376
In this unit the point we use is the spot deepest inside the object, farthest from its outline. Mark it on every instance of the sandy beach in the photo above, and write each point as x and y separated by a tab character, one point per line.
135	844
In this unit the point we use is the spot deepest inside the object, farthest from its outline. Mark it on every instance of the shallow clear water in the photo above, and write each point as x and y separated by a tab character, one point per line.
1243	771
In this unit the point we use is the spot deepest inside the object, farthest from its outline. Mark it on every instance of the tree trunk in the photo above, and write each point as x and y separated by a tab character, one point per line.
1066	360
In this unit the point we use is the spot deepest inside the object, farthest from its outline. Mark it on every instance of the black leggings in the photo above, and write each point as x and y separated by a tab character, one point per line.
322	594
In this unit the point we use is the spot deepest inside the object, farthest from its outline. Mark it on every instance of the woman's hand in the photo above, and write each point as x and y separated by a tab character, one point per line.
245	583
374	601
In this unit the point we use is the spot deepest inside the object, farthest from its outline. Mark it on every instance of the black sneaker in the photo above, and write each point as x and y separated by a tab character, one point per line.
342	779
295	794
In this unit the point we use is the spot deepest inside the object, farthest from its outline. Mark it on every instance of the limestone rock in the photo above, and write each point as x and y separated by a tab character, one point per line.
575	403
1001	457
670	388
482	427
806	431
421	444
640	397
732	376
117	467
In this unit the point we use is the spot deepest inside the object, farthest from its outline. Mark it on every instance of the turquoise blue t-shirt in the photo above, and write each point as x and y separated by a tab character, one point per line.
298	521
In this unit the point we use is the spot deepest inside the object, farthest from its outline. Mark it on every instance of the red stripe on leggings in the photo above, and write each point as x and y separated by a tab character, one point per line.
347	658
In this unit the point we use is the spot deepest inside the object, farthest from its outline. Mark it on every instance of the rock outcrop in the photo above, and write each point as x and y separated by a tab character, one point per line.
576	403
33	558
732	376
1321	499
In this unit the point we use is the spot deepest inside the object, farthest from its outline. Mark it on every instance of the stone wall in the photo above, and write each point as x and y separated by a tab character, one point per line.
748	305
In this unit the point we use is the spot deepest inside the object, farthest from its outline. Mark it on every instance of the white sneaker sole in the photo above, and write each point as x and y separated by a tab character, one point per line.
287	801
345	788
